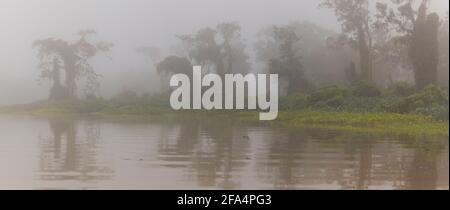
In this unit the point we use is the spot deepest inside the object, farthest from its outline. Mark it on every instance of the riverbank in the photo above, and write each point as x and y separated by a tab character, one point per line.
360	108
377	122
367	122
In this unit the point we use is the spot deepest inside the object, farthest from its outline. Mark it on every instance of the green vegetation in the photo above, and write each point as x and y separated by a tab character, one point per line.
401	89
364	97
365	89
361	107
367	122
364	107
431	101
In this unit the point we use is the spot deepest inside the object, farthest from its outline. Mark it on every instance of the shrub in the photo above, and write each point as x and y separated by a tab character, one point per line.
401	89
293	102
365	89
94	104
126	97
329	96
426	99
364	104
156	100
437	112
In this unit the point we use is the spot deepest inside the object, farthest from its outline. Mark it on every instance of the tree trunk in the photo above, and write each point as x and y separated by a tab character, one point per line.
230	58
432	51
365	57
57	91
71	84
424	48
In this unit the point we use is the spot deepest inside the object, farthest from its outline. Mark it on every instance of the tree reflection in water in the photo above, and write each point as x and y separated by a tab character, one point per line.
214	149
208	153
68	156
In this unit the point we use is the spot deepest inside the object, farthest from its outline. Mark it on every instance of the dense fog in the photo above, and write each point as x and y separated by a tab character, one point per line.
136	24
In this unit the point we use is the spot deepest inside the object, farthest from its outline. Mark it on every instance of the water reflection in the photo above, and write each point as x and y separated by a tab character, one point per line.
68	156
201	153
214	151
218	153
423	171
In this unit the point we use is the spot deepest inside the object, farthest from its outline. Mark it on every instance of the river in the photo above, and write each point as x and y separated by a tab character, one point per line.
199	153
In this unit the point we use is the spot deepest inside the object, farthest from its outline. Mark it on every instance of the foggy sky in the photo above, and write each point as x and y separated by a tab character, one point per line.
129	24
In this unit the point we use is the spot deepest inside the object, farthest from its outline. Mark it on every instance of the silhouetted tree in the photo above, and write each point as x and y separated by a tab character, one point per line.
424	50
73	58
315	49
279	48
288	65
220	50
58	91
351	74
419	32
174	65
204	50
233	47
356	22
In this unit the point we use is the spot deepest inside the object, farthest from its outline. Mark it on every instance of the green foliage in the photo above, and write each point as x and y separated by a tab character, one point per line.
363	104
294	102
430	100
329	96
437	112
365	89
129	102
334	98
366	122
401	89
92	104
160	101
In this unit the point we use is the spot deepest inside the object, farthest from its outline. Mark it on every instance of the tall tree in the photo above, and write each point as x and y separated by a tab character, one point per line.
204	50
356	22
221	49
444	52
279	48
419	31
288	65
424	48
233	47
73	58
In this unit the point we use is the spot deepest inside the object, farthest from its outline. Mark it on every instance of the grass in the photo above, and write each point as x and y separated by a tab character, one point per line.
371	122
367	122
422	113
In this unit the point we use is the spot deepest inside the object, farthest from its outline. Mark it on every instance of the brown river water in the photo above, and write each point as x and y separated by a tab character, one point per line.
192	153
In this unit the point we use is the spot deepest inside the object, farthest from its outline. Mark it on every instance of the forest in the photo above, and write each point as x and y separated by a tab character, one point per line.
390	59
